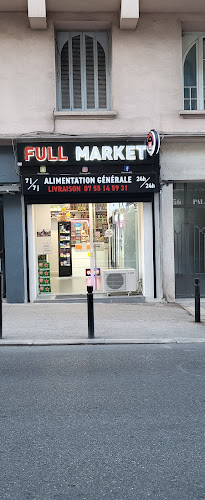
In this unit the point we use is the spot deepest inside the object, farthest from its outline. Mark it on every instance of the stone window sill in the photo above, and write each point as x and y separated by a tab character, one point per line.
85	115
192	114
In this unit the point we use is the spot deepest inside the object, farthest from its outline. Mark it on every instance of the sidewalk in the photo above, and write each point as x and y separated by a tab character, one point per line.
66	323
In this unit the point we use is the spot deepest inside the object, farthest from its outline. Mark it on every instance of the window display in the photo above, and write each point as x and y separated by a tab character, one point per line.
86	241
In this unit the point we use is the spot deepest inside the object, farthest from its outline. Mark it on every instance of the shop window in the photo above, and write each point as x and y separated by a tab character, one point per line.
194	75
2	247
178	199
82	71
189	237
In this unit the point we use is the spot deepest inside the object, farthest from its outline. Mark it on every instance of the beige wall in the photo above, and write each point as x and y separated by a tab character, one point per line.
27	82
146	79
167	242
183	161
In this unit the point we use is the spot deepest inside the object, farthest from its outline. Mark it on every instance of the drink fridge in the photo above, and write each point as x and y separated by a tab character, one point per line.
64	245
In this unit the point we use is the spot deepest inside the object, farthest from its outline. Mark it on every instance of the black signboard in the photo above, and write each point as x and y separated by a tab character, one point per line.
66	154
48	185
99	168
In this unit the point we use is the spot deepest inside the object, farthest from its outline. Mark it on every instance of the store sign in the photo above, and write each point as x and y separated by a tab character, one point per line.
90	184
84	154
44	153
198	201
94	167
153	143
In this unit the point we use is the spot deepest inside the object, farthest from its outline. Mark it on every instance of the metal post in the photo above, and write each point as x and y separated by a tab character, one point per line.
197	300
1	290
90	312
92	264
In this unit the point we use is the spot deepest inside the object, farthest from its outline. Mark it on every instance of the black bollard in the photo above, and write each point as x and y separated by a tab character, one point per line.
197	300
90	312
1	288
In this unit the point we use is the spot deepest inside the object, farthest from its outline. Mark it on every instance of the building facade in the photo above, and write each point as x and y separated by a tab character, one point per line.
82	84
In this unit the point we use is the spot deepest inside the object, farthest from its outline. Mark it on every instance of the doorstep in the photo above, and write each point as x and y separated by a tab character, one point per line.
108	299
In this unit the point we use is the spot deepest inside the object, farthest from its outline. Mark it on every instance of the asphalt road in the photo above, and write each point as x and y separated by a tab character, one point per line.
102	422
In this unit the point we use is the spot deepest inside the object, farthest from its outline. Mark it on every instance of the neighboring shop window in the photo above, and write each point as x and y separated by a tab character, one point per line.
189	194
178	202
178	195
2	249
196	194
83	71
194	75
189	236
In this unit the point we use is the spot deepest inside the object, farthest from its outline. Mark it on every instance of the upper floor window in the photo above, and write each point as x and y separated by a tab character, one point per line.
194	76
83	77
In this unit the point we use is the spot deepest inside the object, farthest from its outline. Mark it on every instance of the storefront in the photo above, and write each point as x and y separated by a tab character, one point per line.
2	246
12	232
90	217
182	216
189	237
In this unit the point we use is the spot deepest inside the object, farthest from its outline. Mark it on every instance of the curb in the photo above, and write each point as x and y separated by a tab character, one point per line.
44	343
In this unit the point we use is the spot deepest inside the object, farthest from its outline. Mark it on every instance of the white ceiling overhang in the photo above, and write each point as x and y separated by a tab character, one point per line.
148	6
129	14
127	10
37	14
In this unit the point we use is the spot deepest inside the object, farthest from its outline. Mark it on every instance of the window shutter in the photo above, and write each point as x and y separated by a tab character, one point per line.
204	72
65	91
77	99
83	60
101	77
90	81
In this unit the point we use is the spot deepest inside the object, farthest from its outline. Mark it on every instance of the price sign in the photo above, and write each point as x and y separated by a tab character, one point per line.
109	233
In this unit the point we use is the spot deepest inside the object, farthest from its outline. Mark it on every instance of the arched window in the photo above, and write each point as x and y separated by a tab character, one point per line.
194	76
83	71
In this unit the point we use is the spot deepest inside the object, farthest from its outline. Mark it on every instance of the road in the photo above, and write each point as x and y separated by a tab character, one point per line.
103	422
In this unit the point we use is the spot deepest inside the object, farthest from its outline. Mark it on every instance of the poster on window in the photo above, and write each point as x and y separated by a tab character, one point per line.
43	241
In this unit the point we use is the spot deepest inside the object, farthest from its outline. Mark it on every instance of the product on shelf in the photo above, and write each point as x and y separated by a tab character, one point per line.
42	258
44	288
44	281
44	265
43	274
79	231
